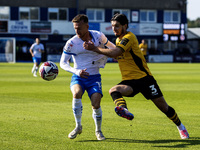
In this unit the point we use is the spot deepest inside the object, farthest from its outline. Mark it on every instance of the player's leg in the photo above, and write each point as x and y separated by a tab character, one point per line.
151	90
94	90
77	93
172	115
97	115
33	68
116	93
34	65
38	61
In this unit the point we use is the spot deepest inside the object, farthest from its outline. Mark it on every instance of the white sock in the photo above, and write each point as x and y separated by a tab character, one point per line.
33	69
36	69
97	116
77	110
181	127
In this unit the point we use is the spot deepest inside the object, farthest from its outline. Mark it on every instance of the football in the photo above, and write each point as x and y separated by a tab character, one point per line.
48	70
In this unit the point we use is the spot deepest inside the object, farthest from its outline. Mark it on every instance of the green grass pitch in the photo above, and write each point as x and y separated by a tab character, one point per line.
36	114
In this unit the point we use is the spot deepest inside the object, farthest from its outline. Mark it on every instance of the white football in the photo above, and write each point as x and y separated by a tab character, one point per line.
48	70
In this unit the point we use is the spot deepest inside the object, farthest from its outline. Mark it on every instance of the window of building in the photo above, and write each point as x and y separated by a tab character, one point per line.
171	16
152	43
122	11
58	13
34	13
170	45
29	13
24	13
4	12
148	16
95	15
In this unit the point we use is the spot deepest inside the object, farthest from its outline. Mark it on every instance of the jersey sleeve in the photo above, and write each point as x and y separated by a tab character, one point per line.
68	48
32	46
42	47
125	43
103	38
64	60
64	64
106	42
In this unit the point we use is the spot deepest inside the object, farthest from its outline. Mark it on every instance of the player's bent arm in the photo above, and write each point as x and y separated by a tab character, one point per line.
64	64
111	52
110	45
31	51
106	42
42	48
117	51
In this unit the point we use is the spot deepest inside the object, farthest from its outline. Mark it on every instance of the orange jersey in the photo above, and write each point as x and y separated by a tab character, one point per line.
132	63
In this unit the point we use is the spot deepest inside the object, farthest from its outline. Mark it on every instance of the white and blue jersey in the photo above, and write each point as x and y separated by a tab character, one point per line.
35	48
83	58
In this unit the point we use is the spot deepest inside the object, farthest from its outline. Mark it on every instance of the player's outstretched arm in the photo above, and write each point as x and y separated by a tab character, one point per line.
108	52
64	64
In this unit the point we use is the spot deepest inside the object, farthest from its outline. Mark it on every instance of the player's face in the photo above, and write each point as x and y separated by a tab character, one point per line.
37	40
80	28
118	29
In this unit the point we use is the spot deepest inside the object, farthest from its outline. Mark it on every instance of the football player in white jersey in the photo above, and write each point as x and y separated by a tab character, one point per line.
36	51
86	74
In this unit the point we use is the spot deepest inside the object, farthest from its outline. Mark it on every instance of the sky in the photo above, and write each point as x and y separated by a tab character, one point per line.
193	9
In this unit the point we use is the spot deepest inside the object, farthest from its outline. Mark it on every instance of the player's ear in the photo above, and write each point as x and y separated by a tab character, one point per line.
126	26
87	26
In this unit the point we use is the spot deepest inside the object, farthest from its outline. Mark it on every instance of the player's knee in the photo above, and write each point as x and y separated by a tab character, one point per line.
77	95
110	91
76	91
113	89
95	105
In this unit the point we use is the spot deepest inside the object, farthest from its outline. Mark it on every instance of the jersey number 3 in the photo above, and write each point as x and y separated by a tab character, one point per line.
153	89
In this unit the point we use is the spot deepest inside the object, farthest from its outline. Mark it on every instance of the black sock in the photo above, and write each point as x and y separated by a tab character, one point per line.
172	115
118	99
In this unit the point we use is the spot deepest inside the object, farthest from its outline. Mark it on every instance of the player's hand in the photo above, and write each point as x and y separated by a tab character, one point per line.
84	74
89	45
32	55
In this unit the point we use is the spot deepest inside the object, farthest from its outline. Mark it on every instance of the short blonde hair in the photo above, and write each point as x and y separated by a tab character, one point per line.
79	18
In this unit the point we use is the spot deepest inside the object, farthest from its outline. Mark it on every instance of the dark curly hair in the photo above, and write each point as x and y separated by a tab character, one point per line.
121	18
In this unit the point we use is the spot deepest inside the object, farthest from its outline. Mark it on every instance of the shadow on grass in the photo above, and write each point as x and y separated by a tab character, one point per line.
192	141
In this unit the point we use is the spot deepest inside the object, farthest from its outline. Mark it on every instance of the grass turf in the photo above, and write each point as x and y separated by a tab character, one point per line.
37	114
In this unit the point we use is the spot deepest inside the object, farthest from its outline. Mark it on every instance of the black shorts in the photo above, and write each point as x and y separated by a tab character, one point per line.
146	85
